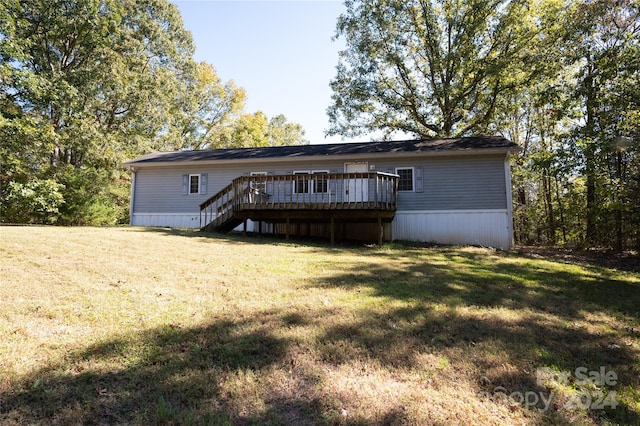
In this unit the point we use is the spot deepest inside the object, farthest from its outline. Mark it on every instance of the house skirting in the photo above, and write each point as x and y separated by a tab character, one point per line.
168	220
185	221
489	228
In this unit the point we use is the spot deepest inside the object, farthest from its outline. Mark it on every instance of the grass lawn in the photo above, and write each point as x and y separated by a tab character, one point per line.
152	326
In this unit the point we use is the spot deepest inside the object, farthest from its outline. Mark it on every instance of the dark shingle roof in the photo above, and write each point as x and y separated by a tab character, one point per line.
476	143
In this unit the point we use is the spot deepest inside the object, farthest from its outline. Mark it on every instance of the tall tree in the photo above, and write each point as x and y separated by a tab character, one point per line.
606	45
282	132
257	130
428	67
579	129
87	84
206	110
93	81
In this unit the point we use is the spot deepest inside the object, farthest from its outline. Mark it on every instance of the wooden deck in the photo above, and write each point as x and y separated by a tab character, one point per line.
321	197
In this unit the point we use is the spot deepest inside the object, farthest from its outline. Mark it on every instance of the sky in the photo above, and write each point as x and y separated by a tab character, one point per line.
280	52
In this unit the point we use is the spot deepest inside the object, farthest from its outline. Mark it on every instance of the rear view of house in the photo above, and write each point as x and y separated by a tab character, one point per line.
451	191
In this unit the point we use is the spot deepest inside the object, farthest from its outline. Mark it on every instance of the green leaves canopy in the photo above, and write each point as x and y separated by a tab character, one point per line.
428	67
85	85
101	74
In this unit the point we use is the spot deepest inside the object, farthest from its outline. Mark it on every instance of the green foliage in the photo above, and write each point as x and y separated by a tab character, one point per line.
36	201
428	68
249	130
87	85
256	130
93	196
209	107
282	133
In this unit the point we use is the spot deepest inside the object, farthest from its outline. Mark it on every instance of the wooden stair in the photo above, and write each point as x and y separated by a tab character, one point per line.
223	219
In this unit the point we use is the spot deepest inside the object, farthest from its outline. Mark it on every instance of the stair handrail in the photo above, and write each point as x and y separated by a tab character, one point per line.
217	206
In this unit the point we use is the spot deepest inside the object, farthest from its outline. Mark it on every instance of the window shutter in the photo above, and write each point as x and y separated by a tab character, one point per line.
418	179
203	183
185	184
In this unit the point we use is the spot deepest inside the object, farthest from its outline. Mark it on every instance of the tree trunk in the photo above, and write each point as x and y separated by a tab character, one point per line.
563	225
618	214
590	93
551	230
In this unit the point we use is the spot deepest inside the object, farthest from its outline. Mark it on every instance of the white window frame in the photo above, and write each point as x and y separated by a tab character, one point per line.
413	179
311	181
199	182
295	181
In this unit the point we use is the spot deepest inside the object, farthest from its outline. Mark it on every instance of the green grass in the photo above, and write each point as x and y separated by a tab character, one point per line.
152	326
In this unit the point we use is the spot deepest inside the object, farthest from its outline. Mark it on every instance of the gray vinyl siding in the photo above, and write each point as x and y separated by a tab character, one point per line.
478	183
455	183
159	189
449	183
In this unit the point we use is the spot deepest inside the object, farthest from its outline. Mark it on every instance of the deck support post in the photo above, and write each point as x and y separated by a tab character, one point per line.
333	231
244	227
287	230
260	227
380	231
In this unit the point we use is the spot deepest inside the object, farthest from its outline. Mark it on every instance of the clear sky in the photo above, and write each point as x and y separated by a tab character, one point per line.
280	52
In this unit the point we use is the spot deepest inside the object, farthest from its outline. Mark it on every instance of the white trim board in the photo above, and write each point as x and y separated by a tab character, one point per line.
452	211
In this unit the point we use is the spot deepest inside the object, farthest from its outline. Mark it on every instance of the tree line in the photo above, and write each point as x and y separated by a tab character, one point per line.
86	85
559	77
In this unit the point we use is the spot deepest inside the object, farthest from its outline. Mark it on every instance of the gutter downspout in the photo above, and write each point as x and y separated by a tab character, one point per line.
132	194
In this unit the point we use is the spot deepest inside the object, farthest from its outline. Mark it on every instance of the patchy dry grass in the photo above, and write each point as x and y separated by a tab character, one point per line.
128	325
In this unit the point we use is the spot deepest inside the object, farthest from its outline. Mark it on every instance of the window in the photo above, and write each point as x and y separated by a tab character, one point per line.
320	183
311	182
301	182
194	184
405	183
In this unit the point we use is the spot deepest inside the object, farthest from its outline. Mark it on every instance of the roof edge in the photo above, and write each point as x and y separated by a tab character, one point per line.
447	153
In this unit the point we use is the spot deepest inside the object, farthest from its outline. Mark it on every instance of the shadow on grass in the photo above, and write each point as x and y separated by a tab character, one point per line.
468	308
254	238
474	305
171	375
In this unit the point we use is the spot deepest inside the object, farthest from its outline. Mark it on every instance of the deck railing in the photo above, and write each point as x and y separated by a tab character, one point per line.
317	191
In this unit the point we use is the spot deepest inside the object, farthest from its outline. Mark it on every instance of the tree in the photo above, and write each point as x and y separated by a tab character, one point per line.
429	67
207	110
85	85
250	130
281	132
257	130
607	48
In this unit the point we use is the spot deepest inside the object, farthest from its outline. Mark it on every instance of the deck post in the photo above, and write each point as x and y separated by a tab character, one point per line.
260	227
244	227
380	231
287	230
333	231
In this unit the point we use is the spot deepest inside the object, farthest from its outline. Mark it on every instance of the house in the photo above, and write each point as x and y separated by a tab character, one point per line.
452	191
